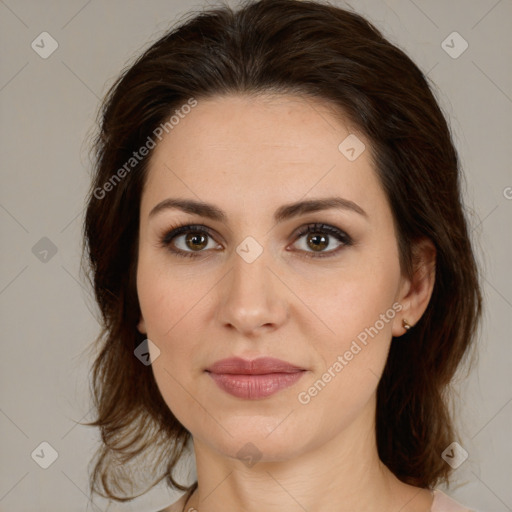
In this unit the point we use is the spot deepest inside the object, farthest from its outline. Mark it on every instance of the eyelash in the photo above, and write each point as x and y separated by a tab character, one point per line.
316	228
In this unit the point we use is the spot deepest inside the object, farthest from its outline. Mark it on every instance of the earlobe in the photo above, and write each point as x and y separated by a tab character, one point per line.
402	323
141	326
405	324
417	293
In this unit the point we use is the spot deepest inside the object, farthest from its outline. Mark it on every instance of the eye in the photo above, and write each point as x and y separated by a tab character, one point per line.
316	238
193	239
189	240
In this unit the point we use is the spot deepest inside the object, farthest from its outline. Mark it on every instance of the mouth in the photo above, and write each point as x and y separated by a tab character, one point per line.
260	366
256	379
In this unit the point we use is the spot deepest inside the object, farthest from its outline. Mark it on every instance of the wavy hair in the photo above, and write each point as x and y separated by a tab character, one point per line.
319	51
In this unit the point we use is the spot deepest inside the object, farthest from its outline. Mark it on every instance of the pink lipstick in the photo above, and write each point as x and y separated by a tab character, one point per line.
254	379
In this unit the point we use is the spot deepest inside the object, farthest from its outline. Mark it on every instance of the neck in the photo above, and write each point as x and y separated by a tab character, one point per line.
345	471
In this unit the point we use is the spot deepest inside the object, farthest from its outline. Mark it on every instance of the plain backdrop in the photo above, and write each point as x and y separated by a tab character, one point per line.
48	109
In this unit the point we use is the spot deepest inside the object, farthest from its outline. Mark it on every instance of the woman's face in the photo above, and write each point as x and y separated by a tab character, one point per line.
252	282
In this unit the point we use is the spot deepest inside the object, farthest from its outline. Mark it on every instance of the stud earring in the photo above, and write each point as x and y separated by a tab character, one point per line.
405	324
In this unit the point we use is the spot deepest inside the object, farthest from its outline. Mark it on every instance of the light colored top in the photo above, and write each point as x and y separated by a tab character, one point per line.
443	503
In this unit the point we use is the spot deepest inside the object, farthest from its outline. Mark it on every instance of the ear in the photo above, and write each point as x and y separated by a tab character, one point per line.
415	291
141	326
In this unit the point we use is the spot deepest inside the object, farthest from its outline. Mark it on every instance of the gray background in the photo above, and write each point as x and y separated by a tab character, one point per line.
48	108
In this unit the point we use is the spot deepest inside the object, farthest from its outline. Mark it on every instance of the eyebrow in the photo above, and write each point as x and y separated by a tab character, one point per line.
283	213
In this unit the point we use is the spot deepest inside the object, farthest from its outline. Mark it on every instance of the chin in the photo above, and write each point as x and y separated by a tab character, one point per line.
258	439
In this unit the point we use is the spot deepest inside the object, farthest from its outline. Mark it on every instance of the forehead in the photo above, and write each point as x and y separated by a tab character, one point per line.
261	150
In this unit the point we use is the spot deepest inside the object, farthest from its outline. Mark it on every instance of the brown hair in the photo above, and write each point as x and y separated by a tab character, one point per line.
319	51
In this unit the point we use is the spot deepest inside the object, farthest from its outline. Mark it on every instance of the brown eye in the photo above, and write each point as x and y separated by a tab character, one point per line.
189	240
321	240
196	241
317	242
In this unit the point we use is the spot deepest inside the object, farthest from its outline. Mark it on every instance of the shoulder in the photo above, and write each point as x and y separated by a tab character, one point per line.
443	503
177	506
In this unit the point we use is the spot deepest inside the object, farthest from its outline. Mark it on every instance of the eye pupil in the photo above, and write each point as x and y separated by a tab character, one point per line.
196	241
319	242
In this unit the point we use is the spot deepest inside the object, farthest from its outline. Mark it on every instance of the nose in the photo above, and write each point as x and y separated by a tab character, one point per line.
253	300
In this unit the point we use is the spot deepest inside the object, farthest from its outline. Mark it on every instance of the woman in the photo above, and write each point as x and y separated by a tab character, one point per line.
278	248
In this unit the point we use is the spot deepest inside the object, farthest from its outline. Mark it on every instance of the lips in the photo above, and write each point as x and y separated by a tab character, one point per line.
256	379
261	366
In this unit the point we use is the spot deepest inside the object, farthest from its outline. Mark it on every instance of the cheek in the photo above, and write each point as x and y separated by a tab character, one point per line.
166	299
166	306
171	303
357	298
353	337
351	354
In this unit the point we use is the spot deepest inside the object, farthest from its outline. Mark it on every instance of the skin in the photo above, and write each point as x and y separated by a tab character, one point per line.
250	156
